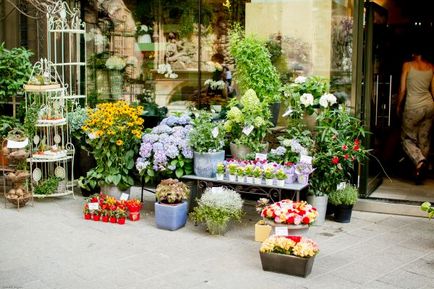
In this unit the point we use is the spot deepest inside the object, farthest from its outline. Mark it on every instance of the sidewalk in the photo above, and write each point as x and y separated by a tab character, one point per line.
50	246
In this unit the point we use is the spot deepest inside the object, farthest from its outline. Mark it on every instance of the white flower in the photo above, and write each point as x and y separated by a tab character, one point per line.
331	98
323	101
300	79
173	75
306	99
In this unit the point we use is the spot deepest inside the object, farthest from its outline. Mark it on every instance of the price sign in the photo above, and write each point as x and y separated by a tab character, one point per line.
215	132
93	206
248	130
261	157
281	231
124	197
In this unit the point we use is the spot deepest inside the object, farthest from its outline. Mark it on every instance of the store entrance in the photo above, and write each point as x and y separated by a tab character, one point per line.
392	28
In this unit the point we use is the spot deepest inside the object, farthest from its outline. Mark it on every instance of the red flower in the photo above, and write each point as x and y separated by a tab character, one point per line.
294	238
356	147
306	220
344	147
346	156
356	142
335	160
290	220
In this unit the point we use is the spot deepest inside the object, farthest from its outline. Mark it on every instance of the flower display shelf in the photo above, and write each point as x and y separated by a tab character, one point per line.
51	161
272	192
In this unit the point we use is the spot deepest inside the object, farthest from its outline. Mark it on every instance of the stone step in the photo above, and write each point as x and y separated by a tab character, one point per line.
387	206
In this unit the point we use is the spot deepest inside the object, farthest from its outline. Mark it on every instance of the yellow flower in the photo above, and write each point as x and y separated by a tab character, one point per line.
119	142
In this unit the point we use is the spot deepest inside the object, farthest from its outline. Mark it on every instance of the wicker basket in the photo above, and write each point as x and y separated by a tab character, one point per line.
18	176
20	201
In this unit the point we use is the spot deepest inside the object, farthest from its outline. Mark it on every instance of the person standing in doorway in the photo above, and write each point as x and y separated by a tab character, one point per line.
416	92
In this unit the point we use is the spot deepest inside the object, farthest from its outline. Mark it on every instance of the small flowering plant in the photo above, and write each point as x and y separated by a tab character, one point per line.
165	150
269	173
249	169
289	212
257	172
281	175
290	245
232	168
241	171
172	191
220	168
113	132
115	63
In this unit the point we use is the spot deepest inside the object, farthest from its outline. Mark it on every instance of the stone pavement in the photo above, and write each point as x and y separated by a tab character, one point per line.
50	246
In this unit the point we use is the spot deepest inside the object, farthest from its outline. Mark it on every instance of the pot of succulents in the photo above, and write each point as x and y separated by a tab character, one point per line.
216	208
241	174
257	175
121	215
232	170
295	216
116	65
86	212
293	255
269	176
344	199
262	229
247	125
171	207
113	132
281	177
165	151
220	173
207	141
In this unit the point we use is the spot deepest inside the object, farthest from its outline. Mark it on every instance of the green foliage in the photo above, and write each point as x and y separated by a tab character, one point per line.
76	121
15	70
7	123
426	207
30	120
347	196
206	136
254	69
47	187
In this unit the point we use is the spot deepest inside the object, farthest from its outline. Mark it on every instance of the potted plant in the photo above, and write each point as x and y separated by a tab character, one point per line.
113	132
155	161
207	142
220	174
232	169
241	174
269	176
262	230
133	207
105	215
171	206
86	212
115	65
121	215
293	255
296	216
248	170
96	215
247	125
216	207
344	200
112	216
257	174
281	177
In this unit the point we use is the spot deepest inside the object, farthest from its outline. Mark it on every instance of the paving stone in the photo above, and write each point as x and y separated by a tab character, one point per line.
404	279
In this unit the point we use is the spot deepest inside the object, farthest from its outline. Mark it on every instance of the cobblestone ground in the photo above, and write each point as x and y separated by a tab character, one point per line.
51	246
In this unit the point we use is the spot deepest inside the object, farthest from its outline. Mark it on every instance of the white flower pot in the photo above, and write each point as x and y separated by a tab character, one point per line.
269	182
258	181
220	177
303	179
249	180
290	179
232	178
241	179
280	183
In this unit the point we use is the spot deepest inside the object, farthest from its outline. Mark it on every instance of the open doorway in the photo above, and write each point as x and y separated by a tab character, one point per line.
391	29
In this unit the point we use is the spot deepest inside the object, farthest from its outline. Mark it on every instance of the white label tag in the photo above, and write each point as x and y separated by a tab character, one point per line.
261	157
248	129
93	206
305	159
215	132
124	197
281	231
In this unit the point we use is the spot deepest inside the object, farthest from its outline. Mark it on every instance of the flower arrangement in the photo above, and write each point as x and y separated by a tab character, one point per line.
206	136
248	121
171	191
165	149
115	63
216	207
290	245
113	133
289	212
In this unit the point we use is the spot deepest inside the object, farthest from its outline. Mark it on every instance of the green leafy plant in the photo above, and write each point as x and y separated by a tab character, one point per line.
206	136
220	168
346	196
281	175
232	168
427	207
257	172
15	70
254	69
269	173
7	123
30	120
249	169
241	171
76	120
171	191
47	187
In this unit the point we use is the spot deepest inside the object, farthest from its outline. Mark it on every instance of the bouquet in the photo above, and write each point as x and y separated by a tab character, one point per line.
290	245
289	212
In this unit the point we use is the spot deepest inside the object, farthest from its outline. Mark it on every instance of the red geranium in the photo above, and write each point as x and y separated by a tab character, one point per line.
335	160
344	147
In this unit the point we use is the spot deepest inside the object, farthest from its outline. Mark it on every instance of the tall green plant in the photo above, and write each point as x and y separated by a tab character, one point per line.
253	66
15	70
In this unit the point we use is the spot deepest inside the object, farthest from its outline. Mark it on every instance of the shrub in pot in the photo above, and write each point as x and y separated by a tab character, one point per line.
207	142
171	207
344	200
216	207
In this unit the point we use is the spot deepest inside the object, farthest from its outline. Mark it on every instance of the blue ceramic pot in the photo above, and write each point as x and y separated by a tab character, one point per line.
171	217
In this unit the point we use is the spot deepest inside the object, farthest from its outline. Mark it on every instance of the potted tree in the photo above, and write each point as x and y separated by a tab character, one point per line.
344	200
247	125
171	207
207	142
216	207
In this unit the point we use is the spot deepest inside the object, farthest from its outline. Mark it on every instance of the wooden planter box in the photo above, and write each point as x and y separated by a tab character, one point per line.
286	264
